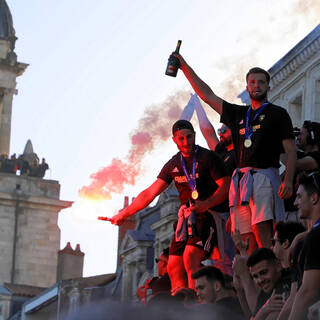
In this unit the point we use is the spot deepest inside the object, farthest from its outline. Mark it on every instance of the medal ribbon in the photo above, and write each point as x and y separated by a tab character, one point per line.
316	224
248	131
191	181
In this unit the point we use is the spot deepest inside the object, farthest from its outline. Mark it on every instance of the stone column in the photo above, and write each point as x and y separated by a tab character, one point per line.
6	96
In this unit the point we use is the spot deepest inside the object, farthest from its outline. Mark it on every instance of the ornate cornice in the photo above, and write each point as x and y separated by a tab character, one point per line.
290	66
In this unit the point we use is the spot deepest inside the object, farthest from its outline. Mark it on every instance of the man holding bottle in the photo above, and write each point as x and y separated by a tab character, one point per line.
260	133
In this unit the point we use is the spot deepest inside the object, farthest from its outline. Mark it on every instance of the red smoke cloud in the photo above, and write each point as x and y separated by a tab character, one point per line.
153	128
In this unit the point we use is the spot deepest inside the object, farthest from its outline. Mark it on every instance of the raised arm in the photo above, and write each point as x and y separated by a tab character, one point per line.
199	86
140	202
241	271
286	188
206	127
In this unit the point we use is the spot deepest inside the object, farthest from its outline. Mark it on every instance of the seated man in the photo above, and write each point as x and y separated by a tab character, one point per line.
263	284
211	289
199	175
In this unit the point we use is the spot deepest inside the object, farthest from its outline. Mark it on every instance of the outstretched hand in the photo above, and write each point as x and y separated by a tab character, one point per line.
117	219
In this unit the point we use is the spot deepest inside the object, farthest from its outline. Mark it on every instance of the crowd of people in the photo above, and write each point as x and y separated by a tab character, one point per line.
234	253
25	168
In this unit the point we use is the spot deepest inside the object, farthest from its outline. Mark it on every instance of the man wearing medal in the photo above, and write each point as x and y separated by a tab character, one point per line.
200	176
260	133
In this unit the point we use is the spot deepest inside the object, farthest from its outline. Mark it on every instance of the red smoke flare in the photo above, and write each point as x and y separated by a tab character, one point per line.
153	128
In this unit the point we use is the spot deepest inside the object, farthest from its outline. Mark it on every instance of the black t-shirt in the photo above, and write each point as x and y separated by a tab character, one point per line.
222	310
310	253
269	129
160	284
228	157
209	169
297	268
283	285
231	304
306	255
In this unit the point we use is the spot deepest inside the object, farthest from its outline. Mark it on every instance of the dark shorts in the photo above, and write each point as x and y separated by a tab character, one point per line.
207	236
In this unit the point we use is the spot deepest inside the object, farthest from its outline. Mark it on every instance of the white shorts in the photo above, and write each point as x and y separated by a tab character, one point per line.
259	209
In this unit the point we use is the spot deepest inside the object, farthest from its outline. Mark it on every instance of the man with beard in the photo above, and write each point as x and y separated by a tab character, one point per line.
224	147
199	174
260	133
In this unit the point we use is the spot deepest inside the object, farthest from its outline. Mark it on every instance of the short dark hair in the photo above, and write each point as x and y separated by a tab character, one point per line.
313	129
181	124
258	70
310	182
259	255
211	274
288	230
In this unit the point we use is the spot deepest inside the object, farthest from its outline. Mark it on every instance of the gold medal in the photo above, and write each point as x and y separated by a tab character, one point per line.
194	194
247	143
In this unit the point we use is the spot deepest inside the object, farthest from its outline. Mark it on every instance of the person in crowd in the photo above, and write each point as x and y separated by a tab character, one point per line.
224	148
161	283
202	182
309	142
308	204
261	283
285	232
308	159
211	289
260	133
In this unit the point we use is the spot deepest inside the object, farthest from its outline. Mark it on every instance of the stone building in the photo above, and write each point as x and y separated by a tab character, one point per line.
29	204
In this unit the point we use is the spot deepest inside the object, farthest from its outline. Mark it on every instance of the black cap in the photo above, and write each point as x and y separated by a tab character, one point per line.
181	124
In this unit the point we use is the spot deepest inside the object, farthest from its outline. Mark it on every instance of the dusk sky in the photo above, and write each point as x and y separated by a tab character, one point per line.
97	68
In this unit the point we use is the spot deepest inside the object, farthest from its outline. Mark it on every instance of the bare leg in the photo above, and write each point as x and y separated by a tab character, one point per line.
263	232
192	258
177	273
